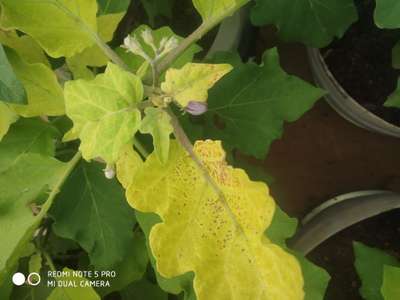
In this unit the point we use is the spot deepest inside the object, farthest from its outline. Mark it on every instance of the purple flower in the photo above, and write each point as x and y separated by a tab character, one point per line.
196	108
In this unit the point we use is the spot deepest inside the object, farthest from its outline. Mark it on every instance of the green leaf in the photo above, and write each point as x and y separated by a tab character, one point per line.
92	210
192	82
11	89
155	8
25	46
135	62
253	102
45	95
312	22
112	6
104	112
213	12
369	264
131	268
26	136
394	99
396	56
387	14
158	123
80	292
227	237
316	279
391	279
20	185
282	227
94	56
61	27
7	117
175	285
141	290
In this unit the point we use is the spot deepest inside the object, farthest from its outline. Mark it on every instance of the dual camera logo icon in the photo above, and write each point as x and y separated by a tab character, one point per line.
32	279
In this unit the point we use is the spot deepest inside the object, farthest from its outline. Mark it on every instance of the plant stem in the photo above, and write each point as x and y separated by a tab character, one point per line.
102	45
68	169
48	260
173	55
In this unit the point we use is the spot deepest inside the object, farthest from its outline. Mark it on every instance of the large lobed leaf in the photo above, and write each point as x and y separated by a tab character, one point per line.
200	230
104	112
61	27
253	102
91	210
27	170
313	22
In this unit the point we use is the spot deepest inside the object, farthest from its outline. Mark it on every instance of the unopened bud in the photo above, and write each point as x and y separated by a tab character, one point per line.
148	38
196	108
109	172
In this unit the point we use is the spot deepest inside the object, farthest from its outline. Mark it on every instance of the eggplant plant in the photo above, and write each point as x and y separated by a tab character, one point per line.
318	23
114	174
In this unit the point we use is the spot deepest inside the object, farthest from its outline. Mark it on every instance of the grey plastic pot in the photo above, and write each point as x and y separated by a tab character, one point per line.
340	213
343	103
230	32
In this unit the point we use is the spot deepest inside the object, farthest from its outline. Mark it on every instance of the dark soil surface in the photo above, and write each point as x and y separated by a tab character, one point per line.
361	61
337	257
321	156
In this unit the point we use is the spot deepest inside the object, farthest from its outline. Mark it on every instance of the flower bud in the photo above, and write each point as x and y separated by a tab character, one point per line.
148	37
109	172
196	108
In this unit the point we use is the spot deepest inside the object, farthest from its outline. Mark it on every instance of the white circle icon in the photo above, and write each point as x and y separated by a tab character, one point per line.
33	279
18	279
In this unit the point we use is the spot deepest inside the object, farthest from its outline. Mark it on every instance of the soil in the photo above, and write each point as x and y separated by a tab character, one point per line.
336	254
361	61
331	157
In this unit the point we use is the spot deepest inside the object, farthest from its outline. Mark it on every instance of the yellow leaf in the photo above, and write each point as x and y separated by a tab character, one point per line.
94	56
7	117
225	248
128	164
61	27
25	46
192	82
45	95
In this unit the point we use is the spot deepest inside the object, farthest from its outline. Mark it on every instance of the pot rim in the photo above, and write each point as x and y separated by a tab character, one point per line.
329	219
342	102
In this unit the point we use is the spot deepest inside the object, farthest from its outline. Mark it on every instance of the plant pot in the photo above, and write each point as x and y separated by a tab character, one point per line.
230	32
343	103
340	213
